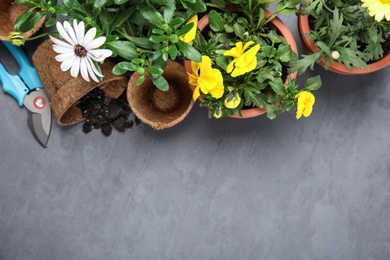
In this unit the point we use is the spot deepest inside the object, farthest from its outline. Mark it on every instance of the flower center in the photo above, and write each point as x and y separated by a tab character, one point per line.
80	51
385	1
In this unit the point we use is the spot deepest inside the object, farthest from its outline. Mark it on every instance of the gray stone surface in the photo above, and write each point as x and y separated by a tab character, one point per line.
314	188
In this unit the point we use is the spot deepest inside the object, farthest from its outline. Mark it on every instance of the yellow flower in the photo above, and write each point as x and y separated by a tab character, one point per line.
233	99
305	103
206	79
243	61
16	38
378	8
190	36
217	112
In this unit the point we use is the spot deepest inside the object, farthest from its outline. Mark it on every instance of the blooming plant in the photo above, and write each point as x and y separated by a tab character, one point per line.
245	62
351	32
143	33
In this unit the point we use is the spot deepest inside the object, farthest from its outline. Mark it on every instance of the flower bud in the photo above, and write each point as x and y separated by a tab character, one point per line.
16	38
335	55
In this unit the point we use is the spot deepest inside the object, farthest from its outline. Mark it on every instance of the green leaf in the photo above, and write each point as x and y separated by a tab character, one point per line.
154	70
189	52
157	38
99	3
173	51
142	42
216	21
239	30
51	21
140	80
185	29
125	65
278	87
284	53
313	83
125	49
31	21
161	83
153	16
169	12
301	65
196	5
176	21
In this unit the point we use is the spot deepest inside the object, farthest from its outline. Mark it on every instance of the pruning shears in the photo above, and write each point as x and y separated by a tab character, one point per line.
20	80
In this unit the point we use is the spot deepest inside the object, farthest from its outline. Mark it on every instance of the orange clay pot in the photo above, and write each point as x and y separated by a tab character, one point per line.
283	30
310	47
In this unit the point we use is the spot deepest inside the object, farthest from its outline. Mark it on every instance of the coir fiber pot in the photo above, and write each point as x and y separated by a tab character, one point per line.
9	11
310	47
161	109
282	29
64	91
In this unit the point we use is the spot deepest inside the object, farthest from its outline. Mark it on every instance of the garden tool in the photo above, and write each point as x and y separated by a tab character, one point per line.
20	80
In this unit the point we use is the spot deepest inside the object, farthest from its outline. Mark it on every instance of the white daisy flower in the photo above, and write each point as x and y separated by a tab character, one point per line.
79	51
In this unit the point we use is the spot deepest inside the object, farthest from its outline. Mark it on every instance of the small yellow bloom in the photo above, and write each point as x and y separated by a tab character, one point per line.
190	36
16	38
305	104
243	61
206	79
378	8
217	112
233	99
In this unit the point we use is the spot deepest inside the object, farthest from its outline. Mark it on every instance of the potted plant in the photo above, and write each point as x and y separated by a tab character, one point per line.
143	34
345	36
245	59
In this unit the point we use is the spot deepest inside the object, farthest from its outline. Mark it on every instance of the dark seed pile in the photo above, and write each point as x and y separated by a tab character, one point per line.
99	114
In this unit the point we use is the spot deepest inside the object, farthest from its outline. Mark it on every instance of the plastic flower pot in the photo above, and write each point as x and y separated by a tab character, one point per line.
282	29
64	91
9	12
311	47
161	109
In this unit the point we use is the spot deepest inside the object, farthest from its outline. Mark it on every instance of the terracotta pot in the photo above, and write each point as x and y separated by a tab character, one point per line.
9	11
161	109
310	47
283	30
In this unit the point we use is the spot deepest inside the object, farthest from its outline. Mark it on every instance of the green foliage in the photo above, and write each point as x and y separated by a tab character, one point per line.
346	27
268	85
145	33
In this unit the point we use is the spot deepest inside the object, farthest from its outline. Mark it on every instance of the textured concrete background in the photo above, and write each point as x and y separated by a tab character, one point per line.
316	188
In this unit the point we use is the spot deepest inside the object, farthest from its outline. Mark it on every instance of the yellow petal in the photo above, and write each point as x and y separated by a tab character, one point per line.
190	36
196	93
248	56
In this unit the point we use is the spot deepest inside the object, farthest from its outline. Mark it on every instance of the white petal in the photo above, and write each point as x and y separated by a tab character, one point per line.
84	69
61	43
70	31
64	34
80	32
92	70
64	56
75	67
95	70
95	43
61	49
89	36
65	65
99	55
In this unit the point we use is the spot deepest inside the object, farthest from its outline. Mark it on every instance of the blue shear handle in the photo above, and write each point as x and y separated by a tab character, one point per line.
27	70
13	85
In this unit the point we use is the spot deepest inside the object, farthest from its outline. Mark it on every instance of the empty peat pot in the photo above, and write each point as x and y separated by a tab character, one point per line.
161	109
